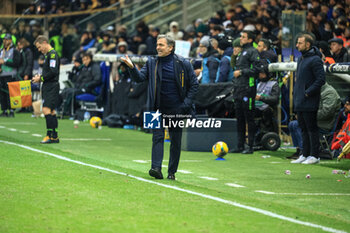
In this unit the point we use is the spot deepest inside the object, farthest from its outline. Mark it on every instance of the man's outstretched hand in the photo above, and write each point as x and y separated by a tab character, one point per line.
127	61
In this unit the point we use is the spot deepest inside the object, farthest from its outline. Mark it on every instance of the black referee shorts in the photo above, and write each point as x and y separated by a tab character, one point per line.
50	95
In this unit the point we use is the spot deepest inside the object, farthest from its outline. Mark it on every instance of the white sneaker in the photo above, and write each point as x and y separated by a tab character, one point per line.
299	160
311	160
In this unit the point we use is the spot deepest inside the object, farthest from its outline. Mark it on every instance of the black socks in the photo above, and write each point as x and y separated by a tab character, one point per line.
51	125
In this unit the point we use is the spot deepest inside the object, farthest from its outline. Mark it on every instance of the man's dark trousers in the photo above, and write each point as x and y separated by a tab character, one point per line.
175	145
308	124
158	148
245	111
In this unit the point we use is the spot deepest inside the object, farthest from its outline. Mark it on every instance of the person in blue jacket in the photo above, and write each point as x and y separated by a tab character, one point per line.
310	77
172	85
225	71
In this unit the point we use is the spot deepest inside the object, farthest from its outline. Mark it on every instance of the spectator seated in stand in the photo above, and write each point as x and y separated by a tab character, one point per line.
339	53
266	100
210	62
88	79
225	49
327	115
120	101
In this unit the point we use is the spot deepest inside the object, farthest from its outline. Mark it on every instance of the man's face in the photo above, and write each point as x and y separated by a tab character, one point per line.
174	29
301	44
19	46
202	49
262	75
43	48
261	46
163	48
154	33
7	42
76	64
347	107
335	47
122	49
105	38
244	39
214	32
86	60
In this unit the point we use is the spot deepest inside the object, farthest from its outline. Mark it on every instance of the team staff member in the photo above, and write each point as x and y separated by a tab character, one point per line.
50	87
310	78
172	85
245	90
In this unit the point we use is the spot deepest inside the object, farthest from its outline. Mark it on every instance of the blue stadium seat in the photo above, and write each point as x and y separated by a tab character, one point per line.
87	101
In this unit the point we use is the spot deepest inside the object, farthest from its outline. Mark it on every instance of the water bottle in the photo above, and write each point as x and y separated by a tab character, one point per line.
86	116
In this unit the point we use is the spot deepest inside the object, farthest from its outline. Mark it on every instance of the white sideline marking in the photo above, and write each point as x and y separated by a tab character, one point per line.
12	129
18	123
86	139
265	192
308	194
218	199
140	161
2	127
208	178
184	171
331	162
36	135
235	185
23	131
275	162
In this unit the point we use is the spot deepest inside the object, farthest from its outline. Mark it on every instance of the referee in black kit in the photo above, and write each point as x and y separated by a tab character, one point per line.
50	87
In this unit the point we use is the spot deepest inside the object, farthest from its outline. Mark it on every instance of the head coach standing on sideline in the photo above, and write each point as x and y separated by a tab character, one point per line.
172	85
50	88
310	77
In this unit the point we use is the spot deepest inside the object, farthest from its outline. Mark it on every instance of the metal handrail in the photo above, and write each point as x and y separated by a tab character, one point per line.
96	14
178	13
118	20
149	12
157	21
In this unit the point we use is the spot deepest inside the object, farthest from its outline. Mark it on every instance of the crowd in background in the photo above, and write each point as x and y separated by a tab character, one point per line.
327	20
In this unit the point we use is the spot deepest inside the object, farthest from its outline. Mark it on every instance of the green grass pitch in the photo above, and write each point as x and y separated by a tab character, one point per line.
42	193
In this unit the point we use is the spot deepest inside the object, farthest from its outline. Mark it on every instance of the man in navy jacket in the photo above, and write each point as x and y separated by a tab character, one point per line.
310	77
172	85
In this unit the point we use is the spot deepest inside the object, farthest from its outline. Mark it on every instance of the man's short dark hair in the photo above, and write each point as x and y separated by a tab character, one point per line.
250	35
217	28
23	41
266	42
40	39
87	54
308	39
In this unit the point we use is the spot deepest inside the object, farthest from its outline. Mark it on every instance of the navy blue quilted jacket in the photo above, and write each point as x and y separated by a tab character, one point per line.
186	80
310	77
